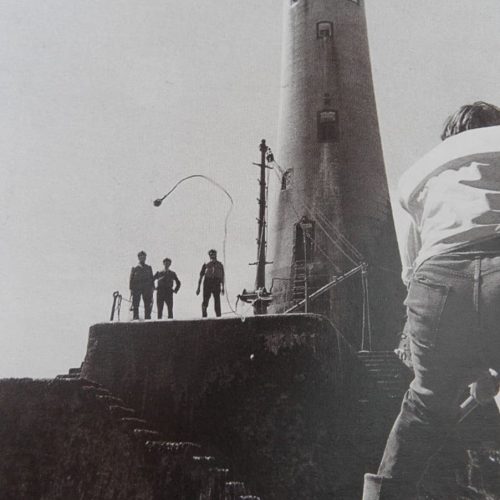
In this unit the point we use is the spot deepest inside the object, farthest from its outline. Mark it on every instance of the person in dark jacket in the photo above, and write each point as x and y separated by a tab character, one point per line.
164	290
212	275
142	285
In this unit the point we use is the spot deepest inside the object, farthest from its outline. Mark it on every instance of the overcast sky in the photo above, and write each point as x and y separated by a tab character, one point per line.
106	104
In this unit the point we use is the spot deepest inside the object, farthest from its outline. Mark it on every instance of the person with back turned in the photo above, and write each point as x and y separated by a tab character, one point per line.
164	290
451	263
212	275
142	285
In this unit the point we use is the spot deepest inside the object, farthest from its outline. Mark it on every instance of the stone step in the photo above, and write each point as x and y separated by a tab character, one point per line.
75	381
121	411
90	389
217	478
233	490
204	460
387	371
391	385
375	354
146	435
110	400
133	423
379	357
382	363
174	447
67	376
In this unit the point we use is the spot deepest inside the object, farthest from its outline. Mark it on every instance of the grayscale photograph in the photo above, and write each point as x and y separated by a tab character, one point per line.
251	250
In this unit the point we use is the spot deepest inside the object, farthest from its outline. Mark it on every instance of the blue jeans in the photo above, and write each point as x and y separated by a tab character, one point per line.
453	307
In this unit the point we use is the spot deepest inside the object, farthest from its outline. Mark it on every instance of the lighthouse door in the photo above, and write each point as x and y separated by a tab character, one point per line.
304	240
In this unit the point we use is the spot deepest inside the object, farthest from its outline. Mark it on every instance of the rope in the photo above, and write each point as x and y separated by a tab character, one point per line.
343	238
367	327
159	201
315	213
327	257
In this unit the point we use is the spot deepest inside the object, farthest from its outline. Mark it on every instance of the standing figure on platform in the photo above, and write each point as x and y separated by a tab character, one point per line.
451	263
142	285
212	275
164	290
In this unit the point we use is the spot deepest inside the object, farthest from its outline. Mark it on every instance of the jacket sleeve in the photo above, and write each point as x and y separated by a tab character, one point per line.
131	279
203	269
177	283
411	245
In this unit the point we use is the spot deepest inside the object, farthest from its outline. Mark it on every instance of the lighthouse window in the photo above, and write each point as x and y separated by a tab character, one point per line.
328	127
324	29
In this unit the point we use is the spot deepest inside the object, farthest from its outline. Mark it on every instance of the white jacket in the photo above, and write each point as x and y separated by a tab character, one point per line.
452	195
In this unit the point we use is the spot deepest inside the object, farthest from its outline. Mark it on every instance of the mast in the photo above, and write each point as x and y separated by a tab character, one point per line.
260	280
260	297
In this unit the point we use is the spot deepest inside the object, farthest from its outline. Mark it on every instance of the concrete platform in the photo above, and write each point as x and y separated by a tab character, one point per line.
276	395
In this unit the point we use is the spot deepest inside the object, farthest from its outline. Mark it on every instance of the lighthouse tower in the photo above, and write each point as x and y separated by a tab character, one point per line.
332	221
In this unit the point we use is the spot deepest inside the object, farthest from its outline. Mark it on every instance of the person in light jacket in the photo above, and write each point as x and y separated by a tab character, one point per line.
451	264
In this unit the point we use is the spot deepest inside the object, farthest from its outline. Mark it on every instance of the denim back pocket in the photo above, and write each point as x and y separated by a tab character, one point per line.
425	303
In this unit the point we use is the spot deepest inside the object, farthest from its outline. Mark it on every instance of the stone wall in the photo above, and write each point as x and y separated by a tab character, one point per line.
275	395
57	443
62	440
283	400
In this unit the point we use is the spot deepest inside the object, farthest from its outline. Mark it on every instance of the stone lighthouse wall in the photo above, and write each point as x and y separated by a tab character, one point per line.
329	144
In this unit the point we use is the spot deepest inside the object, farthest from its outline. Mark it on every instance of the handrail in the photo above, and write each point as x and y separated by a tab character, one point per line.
325	288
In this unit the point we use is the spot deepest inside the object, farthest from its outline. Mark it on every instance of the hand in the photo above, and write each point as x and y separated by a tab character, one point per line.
485	388
197	291
222	291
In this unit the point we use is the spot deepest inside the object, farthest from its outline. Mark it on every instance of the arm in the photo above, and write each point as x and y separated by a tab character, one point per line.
223	279
131	279
410	247
155	277
202	274
177	283
151	277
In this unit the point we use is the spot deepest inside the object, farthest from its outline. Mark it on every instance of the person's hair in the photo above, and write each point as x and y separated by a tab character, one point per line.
166	259
212	251
477	115
142	252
